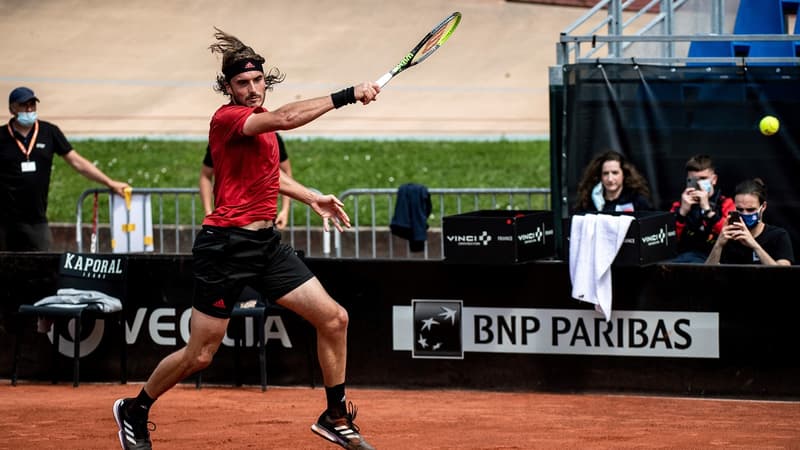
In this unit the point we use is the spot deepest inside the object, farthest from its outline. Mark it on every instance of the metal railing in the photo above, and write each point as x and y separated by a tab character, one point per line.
569	47
616	25
177	219
380	203
610	30
172	201
177	215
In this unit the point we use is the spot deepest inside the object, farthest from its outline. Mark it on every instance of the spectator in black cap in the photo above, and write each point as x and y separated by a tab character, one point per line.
27	146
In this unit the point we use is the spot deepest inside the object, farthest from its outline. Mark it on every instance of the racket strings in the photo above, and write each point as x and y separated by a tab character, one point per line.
429	44
435	40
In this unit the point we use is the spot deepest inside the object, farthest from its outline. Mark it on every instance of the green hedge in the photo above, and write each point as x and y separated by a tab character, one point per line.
331	166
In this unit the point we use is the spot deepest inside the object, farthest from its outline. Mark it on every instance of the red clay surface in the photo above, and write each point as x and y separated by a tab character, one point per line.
40	416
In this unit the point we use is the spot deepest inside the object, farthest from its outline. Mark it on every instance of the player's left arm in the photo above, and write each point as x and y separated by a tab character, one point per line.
326	206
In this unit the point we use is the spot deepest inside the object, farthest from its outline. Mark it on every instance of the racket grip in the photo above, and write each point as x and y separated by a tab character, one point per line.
384	79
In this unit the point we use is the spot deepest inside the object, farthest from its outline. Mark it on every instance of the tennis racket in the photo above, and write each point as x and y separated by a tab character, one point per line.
429	44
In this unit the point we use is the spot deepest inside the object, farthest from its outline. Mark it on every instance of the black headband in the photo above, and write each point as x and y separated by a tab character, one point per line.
242	65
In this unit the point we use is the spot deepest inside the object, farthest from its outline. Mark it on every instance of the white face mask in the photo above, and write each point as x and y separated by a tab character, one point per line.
705	185
597	196
26	119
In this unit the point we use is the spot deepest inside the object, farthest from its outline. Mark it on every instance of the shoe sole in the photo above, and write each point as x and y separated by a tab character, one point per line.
322	432
120	434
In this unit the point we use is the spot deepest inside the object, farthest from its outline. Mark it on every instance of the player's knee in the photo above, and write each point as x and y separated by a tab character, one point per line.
203	360
337	322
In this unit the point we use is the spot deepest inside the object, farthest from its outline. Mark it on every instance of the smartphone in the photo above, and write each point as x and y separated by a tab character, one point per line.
733	217
692	183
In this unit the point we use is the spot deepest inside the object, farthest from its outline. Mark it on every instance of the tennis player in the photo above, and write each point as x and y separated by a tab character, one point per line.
239	246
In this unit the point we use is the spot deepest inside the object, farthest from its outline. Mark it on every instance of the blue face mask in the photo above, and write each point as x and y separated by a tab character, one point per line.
705	185
751	220
26	119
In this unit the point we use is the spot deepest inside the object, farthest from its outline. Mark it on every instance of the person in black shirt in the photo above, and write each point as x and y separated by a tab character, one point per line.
746	239
27	147
611	183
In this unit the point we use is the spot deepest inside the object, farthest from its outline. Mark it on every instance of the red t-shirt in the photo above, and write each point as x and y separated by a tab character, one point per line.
246	171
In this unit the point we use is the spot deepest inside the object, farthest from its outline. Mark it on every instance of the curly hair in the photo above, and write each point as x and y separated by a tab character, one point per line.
633	180
233	50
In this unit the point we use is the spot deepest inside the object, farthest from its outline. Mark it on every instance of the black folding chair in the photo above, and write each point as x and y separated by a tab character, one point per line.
105	273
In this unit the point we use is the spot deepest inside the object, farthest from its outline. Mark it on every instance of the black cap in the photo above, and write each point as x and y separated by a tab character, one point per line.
21	95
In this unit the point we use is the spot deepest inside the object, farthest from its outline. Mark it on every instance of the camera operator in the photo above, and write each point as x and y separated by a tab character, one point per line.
701	212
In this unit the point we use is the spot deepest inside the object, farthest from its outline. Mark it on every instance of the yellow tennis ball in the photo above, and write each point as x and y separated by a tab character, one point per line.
769	125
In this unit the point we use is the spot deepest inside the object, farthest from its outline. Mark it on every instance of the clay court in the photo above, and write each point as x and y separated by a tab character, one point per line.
121	69
40	416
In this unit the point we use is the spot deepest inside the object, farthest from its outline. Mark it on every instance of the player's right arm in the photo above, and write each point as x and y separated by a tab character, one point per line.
299	113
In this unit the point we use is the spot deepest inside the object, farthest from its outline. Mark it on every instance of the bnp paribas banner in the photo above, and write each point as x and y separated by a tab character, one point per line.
446	329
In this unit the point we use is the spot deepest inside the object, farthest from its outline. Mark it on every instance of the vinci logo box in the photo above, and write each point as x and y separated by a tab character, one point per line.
498	236
651	238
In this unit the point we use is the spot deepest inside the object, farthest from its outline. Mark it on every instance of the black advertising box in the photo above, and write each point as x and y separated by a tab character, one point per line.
651	238
498	236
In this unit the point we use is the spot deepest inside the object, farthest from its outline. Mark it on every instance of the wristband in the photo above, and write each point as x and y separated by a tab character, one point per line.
344	97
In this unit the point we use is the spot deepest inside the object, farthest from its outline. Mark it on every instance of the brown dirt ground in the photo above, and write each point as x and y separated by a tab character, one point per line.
41	416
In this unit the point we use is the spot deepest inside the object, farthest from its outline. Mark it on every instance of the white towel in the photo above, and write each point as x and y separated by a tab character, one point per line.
595	240
81	298
581	257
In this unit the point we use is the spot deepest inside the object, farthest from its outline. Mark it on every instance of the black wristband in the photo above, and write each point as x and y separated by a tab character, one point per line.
344	97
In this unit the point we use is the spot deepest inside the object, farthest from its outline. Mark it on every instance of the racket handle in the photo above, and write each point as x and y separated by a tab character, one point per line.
384	79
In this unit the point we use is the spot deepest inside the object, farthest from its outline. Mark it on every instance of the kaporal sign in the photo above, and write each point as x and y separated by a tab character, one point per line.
99	266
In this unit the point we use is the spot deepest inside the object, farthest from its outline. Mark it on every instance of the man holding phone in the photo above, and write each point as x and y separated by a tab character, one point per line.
701	211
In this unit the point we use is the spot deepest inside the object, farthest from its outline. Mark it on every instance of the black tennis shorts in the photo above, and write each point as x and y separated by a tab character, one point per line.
228	259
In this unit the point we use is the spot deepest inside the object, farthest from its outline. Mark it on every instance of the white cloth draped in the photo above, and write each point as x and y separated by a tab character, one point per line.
595	240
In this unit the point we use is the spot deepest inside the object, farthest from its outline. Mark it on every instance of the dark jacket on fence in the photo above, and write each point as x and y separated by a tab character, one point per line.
410	219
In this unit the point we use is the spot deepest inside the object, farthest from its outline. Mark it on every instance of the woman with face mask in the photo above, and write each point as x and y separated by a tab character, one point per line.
746	239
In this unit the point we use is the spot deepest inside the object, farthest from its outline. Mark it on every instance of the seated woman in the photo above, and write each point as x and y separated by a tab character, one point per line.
746	239
611	183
